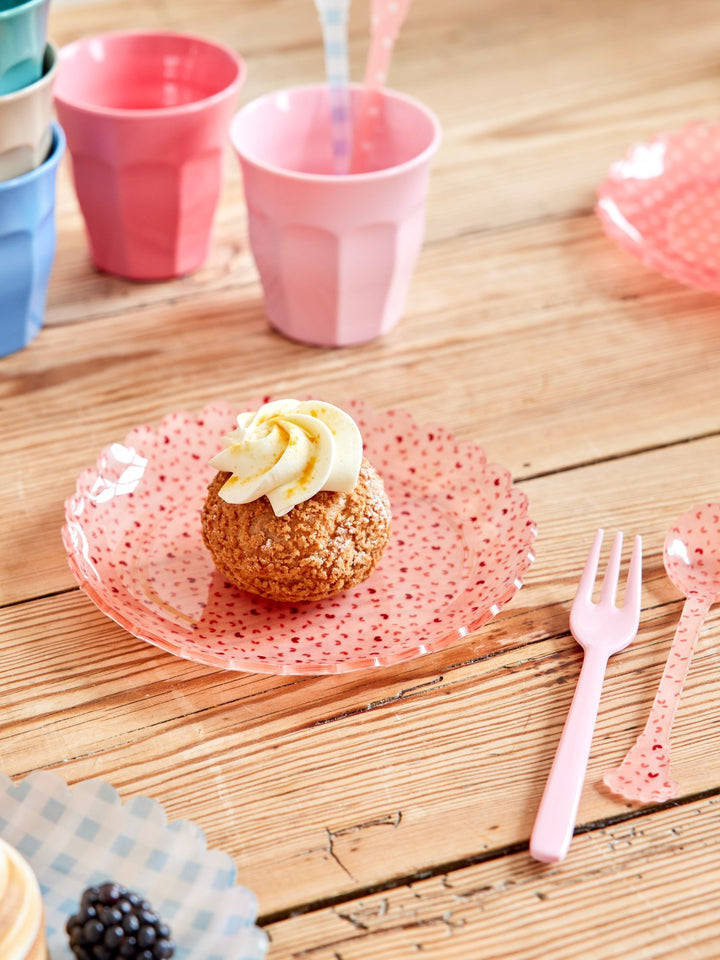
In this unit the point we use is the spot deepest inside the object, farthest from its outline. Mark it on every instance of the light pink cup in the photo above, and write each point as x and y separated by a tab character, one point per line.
146	117
335	253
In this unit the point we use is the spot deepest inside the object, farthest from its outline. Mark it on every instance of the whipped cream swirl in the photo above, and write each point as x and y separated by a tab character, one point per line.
288	451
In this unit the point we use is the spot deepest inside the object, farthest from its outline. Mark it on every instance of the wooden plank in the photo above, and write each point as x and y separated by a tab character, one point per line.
644	888
491	364
320	788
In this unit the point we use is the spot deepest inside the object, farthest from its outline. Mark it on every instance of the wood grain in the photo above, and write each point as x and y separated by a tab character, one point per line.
387	772
621	898
387	812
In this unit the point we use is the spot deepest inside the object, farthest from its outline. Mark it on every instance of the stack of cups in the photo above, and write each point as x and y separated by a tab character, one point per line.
30	148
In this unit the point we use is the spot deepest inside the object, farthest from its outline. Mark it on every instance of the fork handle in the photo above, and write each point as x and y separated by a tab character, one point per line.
555	820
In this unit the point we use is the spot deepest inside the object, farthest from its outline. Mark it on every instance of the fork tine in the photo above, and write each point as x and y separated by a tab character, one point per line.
608	590
587	580
633	587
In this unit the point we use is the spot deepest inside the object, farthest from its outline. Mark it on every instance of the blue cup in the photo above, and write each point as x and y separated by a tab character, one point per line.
27	248
23	35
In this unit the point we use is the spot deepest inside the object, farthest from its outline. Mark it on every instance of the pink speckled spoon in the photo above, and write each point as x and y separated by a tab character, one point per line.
692	561
387	16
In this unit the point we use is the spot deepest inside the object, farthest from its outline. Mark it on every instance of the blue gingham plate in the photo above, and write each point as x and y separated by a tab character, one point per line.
74	837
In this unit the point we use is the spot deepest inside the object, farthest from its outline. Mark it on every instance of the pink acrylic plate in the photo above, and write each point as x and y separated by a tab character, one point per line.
661	203
461	543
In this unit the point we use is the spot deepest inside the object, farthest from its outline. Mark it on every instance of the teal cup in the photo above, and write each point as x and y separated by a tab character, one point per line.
23	35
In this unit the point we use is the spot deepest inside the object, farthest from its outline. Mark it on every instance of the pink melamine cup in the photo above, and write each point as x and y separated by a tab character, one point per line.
146	117
335	253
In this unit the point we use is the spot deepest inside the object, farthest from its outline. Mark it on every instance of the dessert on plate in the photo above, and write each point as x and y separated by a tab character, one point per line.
22	919
295	511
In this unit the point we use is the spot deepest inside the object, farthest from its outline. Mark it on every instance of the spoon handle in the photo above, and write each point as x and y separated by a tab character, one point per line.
644	774
378	62
387	18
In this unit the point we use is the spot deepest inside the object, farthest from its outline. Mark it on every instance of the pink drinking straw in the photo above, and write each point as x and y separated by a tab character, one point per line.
334	22
387	16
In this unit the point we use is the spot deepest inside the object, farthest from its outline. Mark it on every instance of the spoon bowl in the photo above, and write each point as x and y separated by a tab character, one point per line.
692	552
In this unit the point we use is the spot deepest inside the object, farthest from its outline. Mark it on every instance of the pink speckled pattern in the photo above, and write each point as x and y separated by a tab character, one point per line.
387	16
692	561
461	543
661	203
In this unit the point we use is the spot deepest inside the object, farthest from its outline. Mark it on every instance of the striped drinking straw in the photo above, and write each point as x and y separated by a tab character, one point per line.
334	21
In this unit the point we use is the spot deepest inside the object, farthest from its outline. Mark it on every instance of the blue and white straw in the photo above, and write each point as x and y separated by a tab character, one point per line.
334	21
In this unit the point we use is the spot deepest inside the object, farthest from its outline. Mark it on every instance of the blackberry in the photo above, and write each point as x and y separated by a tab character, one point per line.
114	923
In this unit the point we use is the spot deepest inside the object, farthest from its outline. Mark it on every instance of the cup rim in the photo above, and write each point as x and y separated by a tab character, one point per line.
339	178
20	8
97	110
57	149
47	77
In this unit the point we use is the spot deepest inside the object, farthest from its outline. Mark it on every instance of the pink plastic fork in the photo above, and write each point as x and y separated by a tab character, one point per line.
601	629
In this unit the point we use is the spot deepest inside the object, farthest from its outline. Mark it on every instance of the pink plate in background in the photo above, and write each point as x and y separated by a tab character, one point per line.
460	545
661	203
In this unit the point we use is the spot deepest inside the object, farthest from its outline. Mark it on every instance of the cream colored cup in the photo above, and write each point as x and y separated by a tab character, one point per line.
25	122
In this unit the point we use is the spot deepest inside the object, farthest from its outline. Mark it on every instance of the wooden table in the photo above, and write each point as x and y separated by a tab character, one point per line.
386	813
